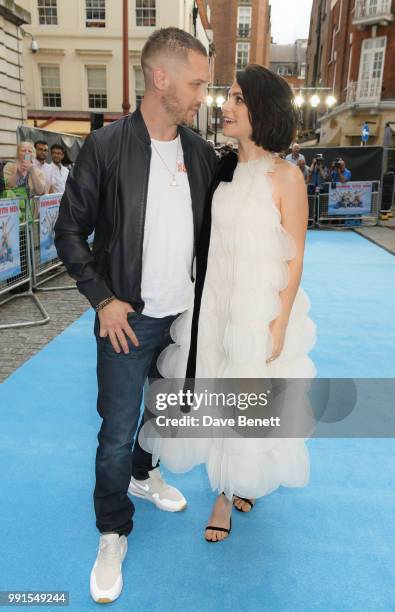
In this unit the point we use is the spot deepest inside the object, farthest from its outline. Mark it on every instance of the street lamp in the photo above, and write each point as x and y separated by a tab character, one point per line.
315	100
330	101
219	102
299	100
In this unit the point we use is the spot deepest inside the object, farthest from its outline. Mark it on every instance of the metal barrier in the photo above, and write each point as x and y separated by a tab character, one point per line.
24	277
312	210
344	221
41	271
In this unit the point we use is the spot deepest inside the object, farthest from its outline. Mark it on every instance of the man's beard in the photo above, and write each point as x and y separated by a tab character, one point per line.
173	107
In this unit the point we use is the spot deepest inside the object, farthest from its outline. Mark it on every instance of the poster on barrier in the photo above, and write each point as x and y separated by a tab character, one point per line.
49	210
10	256
350	198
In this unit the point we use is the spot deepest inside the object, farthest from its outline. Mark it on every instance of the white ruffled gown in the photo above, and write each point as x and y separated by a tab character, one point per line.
247	267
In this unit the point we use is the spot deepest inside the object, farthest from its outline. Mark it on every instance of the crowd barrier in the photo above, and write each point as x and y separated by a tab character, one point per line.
15	259
28	255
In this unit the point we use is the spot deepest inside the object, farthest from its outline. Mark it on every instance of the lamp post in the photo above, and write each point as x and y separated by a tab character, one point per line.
209	103
125	58
315	100
219	102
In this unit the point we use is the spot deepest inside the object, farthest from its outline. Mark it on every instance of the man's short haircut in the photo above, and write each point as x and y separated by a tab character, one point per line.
40	142
58	146
170	42
273	113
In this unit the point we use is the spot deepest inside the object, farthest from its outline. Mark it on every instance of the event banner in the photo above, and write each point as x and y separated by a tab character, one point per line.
350	198
10	257
49	210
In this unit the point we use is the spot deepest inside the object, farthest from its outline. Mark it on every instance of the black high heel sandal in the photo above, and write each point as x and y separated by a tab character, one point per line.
244	499
223	529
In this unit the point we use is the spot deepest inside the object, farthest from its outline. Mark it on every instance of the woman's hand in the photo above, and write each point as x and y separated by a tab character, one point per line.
277	327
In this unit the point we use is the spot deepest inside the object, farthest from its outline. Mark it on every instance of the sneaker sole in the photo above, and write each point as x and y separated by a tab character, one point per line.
156	502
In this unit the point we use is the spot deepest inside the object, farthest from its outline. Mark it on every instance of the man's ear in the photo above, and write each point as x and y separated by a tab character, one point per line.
160	79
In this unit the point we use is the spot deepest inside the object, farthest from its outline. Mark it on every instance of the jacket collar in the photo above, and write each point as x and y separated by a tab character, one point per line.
138	123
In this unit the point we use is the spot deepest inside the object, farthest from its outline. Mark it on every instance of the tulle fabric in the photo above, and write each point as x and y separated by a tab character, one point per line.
247	268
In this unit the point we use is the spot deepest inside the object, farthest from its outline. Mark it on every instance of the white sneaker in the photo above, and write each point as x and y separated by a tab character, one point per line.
156	490
106	576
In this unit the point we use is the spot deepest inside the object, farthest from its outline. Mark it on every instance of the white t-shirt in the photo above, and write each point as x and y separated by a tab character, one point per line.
60	174
166	285
47	170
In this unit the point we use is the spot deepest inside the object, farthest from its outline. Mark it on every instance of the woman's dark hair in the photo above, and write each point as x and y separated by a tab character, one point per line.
272	110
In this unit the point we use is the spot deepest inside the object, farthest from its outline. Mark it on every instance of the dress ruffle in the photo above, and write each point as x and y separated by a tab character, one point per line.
247	268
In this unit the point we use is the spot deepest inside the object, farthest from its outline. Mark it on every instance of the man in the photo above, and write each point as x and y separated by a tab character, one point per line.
339	172
60	172
318	174
295	156
141	183
304	170
40	162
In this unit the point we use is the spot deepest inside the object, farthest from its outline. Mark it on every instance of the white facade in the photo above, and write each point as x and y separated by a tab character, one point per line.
78	65
12	88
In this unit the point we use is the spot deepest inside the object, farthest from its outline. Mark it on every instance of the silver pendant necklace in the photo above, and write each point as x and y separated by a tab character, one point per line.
172	174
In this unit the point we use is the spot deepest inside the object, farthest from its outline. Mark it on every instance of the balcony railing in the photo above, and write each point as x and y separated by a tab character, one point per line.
370	12
362	92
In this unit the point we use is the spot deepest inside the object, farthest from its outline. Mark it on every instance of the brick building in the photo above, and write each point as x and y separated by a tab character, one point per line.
289	61
351	49
241	30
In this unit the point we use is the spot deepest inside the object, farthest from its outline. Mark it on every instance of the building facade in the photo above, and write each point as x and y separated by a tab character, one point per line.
241	30
355	59
76	68
12	86
289	61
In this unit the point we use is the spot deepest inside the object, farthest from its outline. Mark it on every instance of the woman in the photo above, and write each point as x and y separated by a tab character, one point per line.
22	178
250	315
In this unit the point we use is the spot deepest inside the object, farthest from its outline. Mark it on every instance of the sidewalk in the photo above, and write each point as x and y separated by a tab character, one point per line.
382	234
18	345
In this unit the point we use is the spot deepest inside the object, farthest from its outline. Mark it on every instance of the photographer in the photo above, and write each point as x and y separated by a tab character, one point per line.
318	174
339	172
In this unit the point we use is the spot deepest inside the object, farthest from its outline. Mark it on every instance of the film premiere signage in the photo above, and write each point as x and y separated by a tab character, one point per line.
350	198
10	257
49	210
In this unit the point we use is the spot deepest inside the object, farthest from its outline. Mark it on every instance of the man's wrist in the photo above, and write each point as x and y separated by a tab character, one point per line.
105	303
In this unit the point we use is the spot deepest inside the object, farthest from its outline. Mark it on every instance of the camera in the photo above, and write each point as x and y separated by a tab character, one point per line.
319	158
337	162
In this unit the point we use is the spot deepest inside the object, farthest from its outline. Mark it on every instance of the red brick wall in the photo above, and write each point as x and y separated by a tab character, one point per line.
224	24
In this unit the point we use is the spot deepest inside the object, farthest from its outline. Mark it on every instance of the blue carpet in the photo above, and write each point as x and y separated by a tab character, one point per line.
328	546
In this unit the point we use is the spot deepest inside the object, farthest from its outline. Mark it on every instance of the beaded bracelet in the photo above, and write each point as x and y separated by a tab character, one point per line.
104	303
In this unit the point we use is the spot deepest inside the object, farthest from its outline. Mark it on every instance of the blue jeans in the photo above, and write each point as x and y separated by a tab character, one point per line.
121	380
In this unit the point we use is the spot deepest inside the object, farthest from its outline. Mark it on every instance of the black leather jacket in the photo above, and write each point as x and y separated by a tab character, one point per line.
106	191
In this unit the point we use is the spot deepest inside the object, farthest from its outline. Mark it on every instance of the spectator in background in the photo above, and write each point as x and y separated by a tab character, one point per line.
295	156
339	172
319	174
60	172
40	161
22	178
2	184
388	132
304	170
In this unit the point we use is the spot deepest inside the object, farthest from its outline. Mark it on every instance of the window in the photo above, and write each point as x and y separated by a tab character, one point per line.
95	13
50	85
97	88
242	54
47	12
146	13
371	68
139	85
244	21
302	73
